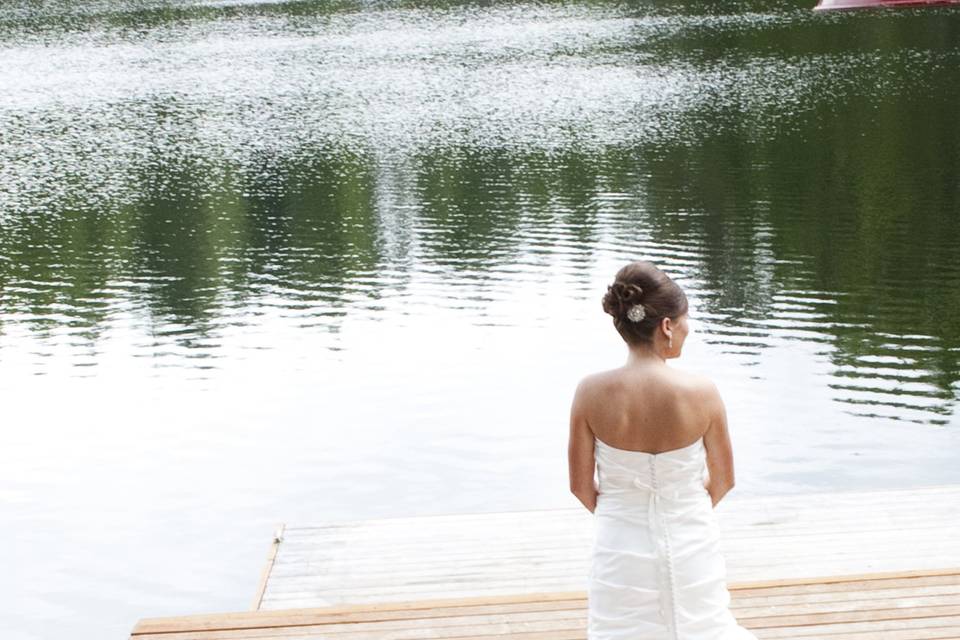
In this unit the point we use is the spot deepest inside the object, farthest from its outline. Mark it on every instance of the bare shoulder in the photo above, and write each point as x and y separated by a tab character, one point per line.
694	381
700	389
584	398
592	384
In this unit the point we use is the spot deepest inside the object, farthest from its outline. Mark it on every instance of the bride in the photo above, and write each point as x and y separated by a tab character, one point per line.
659	441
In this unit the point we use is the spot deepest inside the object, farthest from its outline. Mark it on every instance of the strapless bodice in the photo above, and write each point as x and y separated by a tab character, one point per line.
668	473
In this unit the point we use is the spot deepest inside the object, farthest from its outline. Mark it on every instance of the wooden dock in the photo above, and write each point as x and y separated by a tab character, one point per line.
901	606
857	565
508	553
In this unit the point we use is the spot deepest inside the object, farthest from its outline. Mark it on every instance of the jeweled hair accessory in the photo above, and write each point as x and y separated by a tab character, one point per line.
636	313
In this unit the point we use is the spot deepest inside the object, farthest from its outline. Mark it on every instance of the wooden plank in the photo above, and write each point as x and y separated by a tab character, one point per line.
805	616
931	582
265	572
548	550
455	584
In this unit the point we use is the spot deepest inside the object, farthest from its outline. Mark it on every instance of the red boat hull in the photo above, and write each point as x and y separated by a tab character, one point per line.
825	5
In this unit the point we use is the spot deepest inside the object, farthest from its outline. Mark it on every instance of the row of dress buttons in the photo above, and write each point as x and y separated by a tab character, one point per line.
655	498
673	492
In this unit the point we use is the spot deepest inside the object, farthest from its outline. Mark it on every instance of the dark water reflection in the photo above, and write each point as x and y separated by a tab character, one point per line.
787	239
228	228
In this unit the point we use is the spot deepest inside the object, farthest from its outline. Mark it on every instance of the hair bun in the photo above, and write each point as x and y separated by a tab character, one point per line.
620	297
641	295
631	294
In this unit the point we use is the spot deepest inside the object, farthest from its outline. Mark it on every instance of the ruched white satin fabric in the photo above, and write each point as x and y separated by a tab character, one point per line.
657	572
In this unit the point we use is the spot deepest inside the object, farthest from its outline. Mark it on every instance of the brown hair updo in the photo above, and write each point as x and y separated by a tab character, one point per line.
643	283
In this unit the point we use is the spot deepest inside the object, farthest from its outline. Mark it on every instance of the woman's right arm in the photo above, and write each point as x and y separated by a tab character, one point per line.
716	440
580	453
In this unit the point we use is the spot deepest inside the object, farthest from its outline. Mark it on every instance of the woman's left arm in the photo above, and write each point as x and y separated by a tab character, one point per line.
580	455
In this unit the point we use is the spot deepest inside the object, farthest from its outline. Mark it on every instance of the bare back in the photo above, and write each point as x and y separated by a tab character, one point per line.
651	409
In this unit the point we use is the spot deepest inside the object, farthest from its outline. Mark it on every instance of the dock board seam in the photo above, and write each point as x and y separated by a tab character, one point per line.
268	567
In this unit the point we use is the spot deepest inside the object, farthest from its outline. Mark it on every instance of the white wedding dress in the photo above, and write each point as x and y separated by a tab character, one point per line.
657	572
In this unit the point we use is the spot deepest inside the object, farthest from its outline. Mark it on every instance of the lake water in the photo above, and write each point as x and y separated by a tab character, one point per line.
312	261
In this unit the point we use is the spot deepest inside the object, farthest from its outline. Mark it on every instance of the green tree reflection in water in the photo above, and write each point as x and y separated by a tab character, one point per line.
809	185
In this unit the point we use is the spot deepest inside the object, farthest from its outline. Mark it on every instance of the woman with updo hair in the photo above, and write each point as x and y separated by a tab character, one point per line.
657	438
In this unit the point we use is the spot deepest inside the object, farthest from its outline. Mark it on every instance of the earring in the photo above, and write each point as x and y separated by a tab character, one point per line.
670	343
